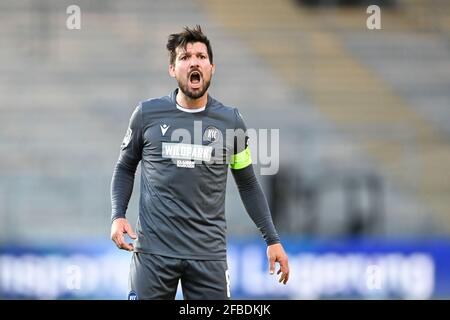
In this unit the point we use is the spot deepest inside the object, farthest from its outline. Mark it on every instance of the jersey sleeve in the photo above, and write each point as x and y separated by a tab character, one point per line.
241	156
123	175
131	148
249	188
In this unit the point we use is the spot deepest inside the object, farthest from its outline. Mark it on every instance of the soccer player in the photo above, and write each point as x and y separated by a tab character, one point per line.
181	228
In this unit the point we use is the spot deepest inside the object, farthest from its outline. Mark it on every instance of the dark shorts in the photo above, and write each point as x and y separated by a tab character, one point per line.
156	277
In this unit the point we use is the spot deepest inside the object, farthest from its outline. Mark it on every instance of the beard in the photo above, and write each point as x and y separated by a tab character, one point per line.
193	94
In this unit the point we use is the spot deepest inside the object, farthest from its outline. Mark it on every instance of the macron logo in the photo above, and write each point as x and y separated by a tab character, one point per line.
164	128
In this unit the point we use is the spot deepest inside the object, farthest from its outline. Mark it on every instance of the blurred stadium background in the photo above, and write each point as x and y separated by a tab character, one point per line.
362	198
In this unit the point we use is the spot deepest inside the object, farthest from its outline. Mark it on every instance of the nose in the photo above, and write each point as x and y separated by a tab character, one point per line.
194	62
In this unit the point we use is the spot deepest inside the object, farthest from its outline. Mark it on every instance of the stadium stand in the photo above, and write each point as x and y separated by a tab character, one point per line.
352	107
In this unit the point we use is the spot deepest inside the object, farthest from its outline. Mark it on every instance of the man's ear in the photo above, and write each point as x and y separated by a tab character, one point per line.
172	70
213	68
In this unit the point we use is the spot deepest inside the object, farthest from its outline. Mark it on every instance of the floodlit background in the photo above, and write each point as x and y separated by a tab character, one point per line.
362	197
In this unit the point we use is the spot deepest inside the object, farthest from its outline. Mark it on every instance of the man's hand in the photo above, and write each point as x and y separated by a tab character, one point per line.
118	228
275	253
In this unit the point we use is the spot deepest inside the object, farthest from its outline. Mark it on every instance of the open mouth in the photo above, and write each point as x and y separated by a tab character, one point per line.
195	77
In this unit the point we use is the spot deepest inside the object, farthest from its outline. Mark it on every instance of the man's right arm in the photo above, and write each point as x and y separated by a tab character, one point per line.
123	180
124	172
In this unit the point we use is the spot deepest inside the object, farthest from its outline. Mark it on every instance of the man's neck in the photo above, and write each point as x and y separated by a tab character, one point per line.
189	103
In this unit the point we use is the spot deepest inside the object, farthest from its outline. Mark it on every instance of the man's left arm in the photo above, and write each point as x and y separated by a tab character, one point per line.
256	205
254	200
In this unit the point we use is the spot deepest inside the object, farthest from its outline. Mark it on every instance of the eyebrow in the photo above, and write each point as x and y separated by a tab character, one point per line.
190	53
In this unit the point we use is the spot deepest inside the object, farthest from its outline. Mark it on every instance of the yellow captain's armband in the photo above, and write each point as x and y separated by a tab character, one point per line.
241	160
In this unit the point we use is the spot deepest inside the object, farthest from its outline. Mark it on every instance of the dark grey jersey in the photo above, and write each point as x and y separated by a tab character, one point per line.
184	163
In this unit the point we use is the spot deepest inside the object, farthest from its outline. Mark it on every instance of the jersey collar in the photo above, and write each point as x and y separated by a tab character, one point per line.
173	98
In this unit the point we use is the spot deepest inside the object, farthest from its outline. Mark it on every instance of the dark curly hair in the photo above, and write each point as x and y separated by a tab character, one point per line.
181	39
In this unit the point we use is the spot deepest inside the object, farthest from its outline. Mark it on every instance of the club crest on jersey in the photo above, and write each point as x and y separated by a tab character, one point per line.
126	139
132	295
211	134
